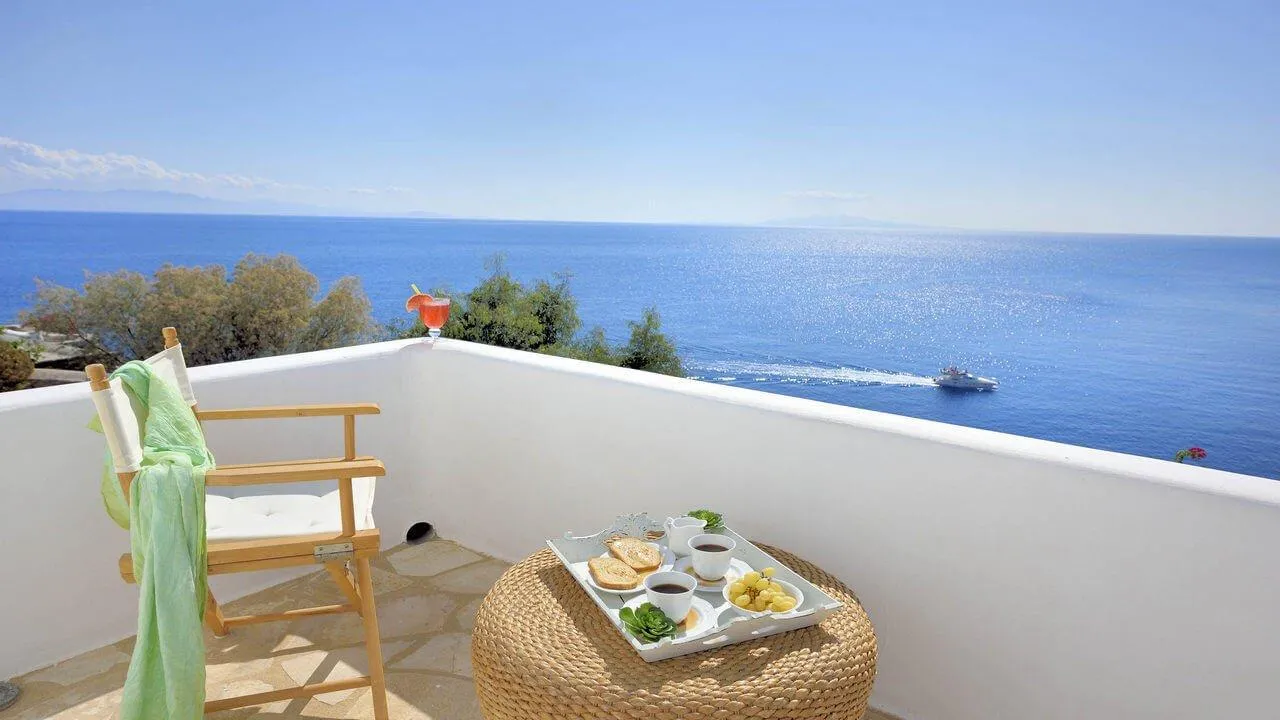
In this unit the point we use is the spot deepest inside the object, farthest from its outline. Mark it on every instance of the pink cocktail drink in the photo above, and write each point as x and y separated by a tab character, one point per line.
433	311
434	314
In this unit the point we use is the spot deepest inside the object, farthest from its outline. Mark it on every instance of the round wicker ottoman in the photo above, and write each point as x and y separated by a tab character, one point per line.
542	649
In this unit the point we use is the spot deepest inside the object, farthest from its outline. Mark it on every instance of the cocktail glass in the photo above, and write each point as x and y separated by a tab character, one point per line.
434	314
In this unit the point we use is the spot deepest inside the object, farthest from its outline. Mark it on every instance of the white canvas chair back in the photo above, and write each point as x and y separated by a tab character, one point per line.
172	366
120	418
120	425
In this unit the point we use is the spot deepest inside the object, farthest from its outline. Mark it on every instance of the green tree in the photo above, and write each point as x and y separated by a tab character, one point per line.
556	309
194	300
648	349
593	347
340	319
544	318
267	307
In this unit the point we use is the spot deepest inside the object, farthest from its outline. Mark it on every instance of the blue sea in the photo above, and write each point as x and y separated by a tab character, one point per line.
1138	344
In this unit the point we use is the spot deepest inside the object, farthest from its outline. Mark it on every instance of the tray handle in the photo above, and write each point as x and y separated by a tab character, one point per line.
739	629
634	525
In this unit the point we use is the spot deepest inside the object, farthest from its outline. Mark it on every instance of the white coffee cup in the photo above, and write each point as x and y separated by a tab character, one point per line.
673	605
712	565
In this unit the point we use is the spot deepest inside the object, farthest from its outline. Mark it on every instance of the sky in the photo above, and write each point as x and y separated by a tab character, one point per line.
1143	117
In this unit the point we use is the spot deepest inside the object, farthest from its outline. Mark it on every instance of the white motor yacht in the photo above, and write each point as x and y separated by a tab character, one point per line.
954	377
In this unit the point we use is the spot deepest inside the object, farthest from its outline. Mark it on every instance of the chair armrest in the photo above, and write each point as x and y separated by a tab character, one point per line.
289	411
295	472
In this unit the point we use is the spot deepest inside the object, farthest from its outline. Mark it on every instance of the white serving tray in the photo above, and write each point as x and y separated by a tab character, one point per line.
730	626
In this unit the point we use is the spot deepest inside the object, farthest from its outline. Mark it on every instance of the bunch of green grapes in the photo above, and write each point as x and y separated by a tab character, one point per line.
757	591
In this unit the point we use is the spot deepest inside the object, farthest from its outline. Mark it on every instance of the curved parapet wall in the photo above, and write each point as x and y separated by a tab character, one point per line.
1006	576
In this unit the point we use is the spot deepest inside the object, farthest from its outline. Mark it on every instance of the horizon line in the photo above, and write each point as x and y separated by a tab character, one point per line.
765	224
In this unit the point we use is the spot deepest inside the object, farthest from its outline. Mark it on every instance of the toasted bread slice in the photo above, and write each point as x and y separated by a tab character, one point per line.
612	573
635	552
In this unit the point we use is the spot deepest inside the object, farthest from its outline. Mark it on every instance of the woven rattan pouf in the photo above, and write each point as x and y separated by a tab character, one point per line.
542	649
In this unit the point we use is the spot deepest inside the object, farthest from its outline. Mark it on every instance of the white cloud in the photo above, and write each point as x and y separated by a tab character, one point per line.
75	168
388	190
35	161
834	195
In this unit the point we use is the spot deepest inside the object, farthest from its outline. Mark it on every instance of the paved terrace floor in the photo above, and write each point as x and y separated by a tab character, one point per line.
427	599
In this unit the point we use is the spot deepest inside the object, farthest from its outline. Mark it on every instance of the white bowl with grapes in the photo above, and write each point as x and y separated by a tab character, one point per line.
760	594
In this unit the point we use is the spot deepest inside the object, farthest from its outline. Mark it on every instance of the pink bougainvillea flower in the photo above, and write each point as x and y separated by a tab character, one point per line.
1195	453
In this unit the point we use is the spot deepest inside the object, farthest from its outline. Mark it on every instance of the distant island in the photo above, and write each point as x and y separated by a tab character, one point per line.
844	221
163	201
166	202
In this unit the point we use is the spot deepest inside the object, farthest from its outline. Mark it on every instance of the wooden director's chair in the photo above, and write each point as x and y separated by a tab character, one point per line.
266	532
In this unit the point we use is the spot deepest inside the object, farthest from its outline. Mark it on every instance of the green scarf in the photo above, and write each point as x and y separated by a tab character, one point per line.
165	519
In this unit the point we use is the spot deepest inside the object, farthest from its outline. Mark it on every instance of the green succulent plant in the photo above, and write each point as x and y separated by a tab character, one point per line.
648	623
714	520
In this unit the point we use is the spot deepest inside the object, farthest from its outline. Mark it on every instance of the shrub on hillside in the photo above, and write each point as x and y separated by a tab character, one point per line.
648	349
544	318
16	367
266	307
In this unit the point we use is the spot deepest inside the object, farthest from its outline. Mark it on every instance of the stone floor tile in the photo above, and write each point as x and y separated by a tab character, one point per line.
431	558
102	707
385	583
329	630
449	652
246	687
343	664
80	667
292	642
466	616
472	579
221	673
415	696
414	614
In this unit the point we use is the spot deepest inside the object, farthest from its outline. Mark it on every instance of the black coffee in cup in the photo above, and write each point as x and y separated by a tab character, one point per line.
710	548
671	588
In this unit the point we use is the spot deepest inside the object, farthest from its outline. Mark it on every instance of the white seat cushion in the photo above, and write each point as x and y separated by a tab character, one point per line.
253	517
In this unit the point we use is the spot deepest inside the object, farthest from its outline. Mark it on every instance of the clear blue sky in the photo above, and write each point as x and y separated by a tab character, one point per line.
1086	116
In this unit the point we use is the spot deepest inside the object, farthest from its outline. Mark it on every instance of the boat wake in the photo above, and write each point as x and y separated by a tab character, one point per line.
732	371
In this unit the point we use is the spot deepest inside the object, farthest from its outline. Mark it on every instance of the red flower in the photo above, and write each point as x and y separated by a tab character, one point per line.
1195	453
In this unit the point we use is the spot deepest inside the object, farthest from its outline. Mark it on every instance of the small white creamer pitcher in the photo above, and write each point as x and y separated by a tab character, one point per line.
680	531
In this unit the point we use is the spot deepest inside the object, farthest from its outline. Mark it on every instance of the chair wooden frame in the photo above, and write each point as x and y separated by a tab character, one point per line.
271	553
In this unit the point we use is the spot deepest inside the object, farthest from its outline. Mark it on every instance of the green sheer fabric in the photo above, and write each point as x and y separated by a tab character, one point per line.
165	518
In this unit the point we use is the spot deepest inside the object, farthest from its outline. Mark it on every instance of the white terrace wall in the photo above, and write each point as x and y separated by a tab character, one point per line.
1006	577
62	594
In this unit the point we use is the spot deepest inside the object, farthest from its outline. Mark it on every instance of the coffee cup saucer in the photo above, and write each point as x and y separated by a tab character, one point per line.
737	569
705	614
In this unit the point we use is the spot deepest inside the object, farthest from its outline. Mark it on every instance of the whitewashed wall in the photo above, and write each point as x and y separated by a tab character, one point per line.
1006	577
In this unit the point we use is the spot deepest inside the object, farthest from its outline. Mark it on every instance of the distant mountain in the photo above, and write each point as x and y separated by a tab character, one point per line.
841	221
162	201
143	201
